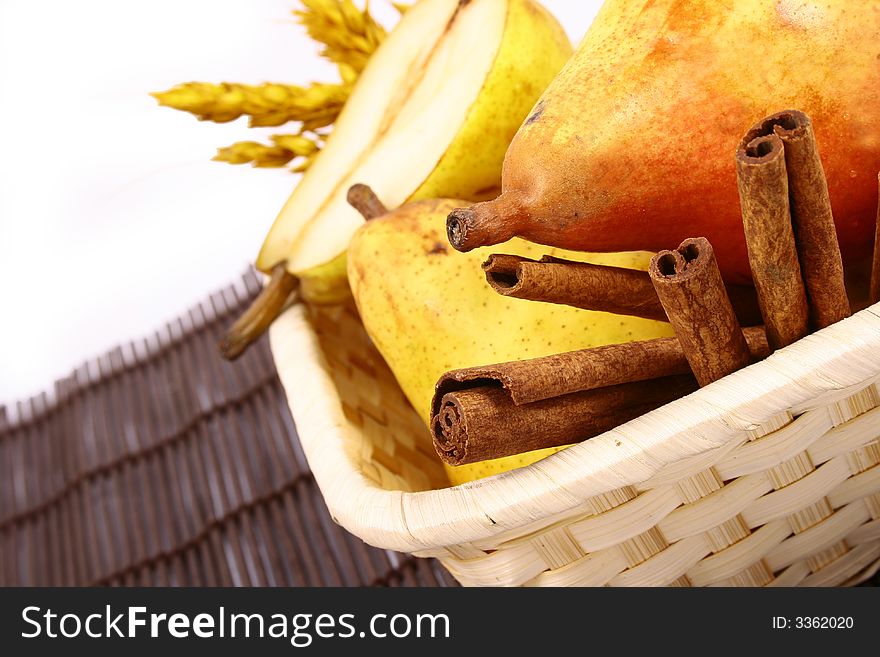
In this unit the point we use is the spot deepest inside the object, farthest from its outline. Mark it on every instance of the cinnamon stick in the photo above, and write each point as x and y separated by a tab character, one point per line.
579	284
482	423
875	268
773	257
690	288
535	379
814	229
513	407
595	287
812	221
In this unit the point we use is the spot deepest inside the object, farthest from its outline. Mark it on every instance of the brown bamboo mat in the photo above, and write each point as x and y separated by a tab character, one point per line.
160	464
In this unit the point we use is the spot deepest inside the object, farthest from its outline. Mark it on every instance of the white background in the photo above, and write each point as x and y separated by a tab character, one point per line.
113	219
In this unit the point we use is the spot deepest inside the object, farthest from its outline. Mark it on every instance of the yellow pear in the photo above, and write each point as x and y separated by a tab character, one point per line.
431	115
429	309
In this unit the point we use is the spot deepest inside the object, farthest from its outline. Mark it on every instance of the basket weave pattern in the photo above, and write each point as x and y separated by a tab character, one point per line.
775	481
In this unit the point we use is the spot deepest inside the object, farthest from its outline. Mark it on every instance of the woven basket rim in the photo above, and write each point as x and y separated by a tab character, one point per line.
814	370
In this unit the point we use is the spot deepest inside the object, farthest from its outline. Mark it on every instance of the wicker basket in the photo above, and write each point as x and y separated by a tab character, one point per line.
770	476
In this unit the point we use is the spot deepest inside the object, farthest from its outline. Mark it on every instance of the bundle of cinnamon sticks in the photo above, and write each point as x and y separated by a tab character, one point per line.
502	409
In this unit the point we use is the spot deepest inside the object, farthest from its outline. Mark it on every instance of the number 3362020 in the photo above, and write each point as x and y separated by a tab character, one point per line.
822	622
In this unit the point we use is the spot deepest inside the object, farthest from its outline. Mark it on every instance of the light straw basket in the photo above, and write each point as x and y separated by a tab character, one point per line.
770	476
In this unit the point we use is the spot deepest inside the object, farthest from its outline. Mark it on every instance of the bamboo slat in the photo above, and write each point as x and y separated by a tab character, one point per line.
161	464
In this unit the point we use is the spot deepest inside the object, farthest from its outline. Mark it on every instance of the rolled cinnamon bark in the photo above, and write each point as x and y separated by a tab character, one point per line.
536	379
579	284
595	287
690	288
773	257
497	410
875	268
813	223
482	423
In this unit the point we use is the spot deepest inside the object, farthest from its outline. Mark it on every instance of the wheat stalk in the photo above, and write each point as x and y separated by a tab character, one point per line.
349	36
267	104
282	150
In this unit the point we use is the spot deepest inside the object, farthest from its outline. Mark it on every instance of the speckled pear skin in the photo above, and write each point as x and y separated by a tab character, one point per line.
632	145
429	309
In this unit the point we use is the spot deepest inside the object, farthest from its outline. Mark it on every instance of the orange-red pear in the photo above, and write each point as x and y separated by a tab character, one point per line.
632	145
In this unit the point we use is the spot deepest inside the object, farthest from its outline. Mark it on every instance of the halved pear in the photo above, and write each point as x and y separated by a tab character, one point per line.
430	116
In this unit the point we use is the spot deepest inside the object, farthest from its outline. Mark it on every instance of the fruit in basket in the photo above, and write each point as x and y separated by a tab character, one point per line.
431	115
429	309
631	146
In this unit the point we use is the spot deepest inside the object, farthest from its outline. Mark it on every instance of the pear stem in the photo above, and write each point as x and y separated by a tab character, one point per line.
487	223
363	199
254	321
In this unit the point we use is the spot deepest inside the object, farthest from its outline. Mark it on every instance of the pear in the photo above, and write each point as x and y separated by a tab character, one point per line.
632	145
429	309
431	115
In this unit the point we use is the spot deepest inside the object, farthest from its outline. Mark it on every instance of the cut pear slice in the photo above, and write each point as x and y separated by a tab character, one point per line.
407	107
431	116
